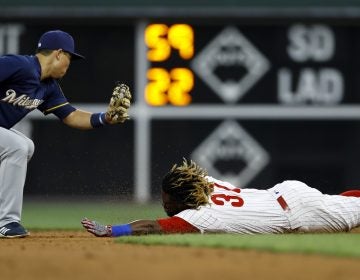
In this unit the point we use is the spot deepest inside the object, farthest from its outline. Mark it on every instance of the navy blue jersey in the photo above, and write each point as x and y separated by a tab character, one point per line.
21	91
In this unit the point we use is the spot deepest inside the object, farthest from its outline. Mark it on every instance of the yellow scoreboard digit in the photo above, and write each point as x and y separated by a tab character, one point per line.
169	86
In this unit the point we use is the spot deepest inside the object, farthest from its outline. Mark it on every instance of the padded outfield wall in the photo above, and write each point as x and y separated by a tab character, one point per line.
260	93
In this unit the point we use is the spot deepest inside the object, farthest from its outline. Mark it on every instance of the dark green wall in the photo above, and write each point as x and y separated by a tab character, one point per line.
182	3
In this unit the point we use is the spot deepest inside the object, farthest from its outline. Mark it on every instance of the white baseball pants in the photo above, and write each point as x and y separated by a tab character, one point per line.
15	151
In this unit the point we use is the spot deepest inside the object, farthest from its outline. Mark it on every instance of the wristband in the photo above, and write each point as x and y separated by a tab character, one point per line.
98	120
120	230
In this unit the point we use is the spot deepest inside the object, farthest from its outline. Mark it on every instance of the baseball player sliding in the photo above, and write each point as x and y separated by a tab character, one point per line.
196	202
29	82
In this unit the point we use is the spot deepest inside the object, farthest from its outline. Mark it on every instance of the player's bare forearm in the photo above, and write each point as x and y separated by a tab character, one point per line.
79	119
139	227
142	227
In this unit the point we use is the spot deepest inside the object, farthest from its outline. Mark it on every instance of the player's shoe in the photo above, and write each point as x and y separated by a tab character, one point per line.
13	230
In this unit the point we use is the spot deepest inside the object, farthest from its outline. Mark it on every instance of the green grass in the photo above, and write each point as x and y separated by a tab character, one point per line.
341	245
42	215
61	215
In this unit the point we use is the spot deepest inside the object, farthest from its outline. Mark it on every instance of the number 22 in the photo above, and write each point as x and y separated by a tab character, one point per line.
219	199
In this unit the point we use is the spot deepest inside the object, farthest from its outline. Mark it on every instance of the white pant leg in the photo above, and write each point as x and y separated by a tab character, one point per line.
313	211
337	213
15	152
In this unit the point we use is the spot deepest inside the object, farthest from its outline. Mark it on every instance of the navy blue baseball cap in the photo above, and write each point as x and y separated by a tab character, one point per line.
57	39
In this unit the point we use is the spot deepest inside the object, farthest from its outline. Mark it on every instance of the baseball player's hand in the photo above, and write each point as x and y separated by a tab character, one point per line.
96	229
120	100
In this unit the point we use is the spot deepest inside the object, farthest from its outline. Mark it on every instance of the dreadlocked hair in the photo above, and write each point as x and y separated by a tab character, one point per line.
187	183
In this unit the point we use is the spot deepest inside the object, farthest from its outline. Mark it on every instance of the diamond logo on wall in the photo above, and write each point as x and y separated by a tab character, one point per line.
230	65
231	154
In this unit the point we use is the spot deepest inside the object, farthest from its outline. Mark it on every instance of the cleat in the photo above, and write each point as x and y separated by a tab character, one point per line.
13	230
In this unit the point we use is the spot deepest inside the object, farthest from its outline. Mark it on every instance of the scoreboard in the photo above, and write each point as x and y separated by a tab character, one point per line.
292	63
255	101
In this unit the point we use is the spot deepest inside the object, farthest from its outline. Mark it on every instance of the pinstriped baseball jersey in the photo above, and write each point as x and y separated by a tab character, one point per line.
250	211
235	210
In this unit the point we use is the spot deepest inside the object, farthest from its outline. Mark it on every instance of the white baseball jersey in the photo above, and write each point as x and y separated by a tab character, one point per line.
287	207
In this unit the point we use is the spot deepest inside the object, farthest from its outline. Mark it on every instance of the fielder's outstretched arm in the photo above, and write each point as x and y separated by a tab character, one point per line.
117	111
79	119
139	227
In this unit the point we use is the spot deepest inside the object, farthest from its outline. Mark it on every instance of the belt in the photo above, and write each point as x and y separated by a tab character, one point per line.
283	203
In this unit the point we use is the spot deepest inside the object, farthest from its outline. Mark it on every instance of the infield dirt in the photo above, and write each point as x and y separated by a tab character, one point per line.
78	255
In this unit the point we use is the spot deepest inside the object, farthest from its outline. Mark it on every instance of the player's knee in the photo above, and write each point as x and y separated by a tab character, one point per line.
27	149
31	149
20	148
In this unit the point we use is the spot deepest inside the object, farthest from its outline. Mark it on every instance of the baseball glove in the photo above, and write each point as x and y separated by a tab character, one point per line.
120	100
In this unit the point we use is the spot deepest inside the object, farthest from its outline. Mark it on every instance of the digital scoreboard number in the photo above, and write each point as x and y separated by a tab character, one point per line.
169	86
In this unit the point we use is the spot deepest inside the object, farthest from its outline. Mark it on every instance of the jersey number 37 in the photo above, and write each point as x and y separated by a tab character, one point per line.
232	197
